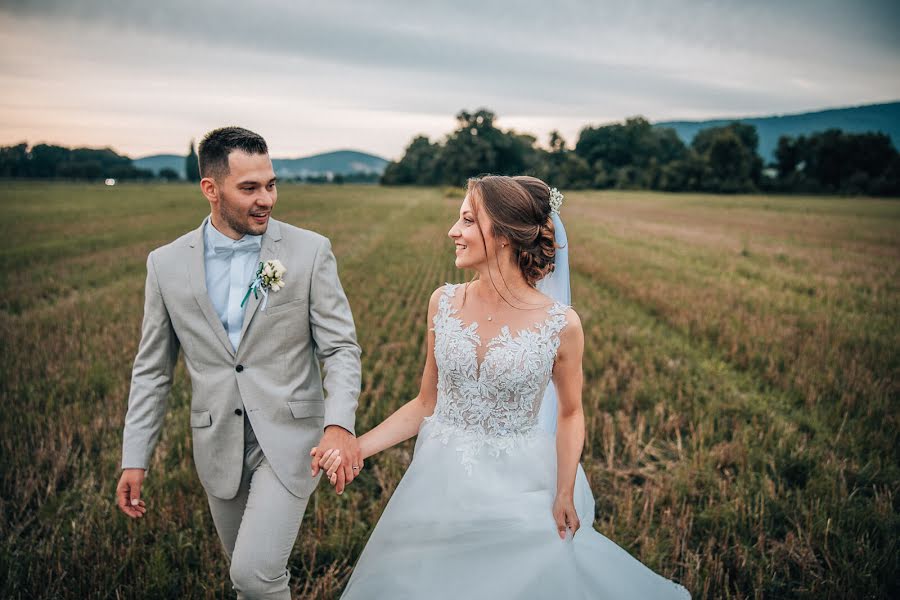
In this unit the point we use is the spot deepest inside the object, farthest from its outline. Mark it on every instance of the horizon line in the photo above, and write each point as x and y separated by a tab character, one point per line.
599	123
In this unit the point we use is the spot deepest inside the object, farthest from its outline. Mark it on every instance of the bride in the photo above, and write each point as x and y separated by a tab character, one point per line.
493	501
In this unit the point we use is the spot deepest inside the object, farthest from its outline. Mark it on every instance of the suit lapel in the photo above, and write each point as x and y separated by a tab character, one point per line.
268	251
197	274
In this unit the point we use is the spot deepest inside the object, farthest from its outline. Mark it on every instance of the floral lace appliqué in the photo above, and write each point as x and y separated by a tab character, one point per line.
492	406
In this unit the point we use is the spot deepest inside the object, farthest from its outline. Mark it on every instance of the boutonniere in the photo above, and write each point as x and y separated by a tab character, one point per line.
269	276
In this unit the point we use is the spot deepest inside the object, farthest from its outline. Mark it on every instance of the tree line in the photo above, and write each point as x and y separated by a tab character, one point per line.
45	161
636	155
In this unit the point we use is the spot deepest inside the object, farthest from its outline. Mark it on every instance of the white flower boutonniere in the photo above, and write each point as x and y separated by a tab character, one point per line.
269	276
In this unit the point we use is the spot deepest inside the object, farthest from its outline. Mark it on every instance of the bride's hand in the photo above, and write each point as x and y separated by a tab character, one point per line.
329	462
565	516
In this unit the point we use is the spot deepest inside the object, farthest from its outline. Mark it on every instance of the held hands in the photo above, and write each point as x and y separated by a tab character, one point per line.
330	463
128	493
565	516
338	455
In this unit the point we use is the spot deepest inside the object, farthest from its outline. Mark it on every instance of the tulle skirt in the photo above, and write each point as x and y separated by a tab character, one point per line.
482	528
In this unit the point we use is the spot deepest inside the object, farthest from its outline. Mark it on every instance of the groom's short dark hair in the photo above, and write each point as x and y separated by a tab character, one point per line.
217	145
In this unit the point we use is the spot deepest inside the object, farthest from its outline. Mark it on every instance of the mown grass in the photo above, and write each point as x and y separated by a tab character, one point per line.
741	386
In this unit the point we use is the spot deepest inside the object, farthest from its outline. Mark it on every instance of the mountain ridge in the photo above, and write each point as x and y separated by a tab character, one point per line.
883	117
336	162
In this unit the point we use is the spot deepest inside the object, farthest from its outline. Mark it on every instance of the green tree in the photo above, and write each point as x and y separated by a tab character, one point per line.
833	161
192	165
789	155
13	160
478	147
418	165
629	154
730	152
634	143
169	174
561	167
45	160
685	174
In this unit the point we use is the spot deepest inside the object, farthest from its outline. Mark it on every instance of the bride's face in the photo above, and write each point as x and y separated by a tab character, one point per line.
466	233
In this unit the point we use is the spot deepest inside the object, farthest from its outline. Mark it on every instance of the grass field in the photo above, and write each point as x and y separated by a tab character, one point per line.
741	386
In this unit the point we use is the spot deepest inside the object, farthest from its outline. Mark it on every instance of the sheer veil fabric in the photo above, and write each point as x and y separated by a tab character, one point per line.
557	286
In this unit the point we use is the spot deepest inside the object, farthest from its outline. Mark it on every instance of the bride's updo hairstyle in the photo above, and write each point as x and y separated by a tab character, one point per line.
519	209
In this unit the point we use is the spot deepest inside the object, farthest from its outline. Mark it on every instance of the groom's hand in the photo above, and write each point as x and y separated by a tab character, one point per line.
128	493
339	438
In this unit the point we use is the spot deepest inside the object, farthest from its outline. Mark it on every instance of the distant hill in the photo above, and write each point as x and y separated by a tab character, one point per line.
343	162
873	117
158	162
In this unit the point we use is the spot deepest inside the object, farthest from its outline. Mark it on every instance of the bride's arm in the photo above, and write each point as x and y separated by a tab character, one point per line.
568	378
406	420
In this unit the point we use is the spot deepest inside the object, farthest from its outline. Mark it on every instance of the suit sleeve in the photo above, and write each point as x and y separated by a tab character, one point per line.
334	334
151	377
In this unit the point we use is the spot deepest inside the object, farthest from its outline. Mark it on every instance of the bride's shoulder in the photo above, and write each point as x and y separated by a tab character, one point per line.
570	320
437	293
573	321
571	334
435	300
447	290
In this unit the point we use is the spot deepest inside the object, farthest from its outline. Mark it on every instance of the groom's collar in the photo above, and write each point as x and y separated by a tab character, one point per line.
273	232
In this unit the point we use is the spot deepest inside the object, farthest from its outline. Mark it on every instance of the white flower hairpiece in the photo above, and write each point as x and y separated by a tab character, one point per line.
556	199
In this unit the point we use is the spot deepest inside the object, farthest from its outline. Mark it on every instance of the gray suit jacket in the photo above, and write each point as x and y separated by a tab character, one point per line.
274	376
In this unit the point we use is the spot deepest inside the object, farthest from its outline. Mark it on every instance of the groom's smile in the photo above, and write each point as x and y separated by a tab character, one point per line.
261	218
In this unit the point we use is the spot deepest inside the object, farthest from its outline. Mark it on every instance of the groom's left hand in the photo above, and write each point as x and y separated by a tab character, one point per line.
337	437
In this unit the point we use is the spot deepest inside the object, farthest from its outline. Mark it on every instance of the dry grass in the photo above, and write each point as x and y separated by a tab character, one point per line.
741	386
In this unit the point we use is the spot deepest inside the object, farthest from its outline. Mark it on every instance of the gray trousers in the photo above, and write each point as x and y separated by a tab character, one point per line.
258	527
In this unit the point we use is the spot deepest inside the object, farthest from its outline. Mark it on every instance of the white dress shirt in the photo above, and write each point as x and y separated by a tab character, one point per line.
230	267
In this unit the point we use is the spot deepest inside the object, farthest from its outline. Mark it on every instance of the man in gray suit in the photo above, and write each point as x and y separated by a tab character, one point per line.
259	402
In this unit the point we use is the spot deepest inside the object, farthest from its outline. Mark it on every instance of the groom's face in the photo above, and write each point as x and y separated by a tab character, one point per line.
247	195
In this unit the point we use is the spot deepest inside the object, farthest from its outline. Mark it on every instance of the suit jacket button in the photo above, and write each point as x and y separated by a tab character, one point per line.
239	368
238	412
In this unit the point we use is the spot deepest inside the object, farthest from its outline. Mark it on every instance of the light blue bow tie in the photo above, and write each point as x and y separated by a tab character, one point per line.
245	244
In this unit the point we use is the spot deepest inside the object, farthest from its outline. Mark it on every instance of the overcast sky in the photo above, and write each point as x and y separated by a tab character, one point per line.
145	76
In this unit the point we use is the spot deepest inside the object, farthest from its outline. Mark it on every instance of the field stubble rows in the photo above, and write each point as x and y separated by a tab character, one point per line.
740	386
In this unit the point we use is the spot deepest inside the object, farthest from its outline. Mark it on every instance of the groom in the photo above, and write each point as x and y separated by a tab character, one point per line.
258	405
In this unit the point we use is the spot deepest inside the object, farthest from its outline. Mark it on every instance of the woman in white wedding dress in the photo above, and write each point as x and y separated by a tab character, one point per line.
494	505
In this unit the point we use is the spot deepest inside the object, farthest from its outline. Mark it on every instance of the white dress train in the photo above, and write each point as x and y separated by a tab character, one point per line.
471	517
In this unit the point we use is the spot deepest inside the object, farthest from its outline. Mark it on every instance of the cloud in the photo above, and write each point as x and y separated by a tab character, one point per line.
358	65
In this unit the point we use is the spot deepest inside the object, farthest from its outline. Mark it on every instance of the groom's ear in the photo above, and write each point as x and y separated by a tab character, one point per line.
210	189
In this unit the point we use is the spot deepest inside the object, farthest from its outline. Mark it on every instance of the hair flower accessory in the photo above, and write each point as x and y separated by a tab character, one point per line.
556	199
269	276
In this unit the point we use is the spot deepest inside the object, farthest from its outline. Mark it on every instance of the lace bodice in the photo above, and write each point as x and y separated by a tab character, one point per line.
492	404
